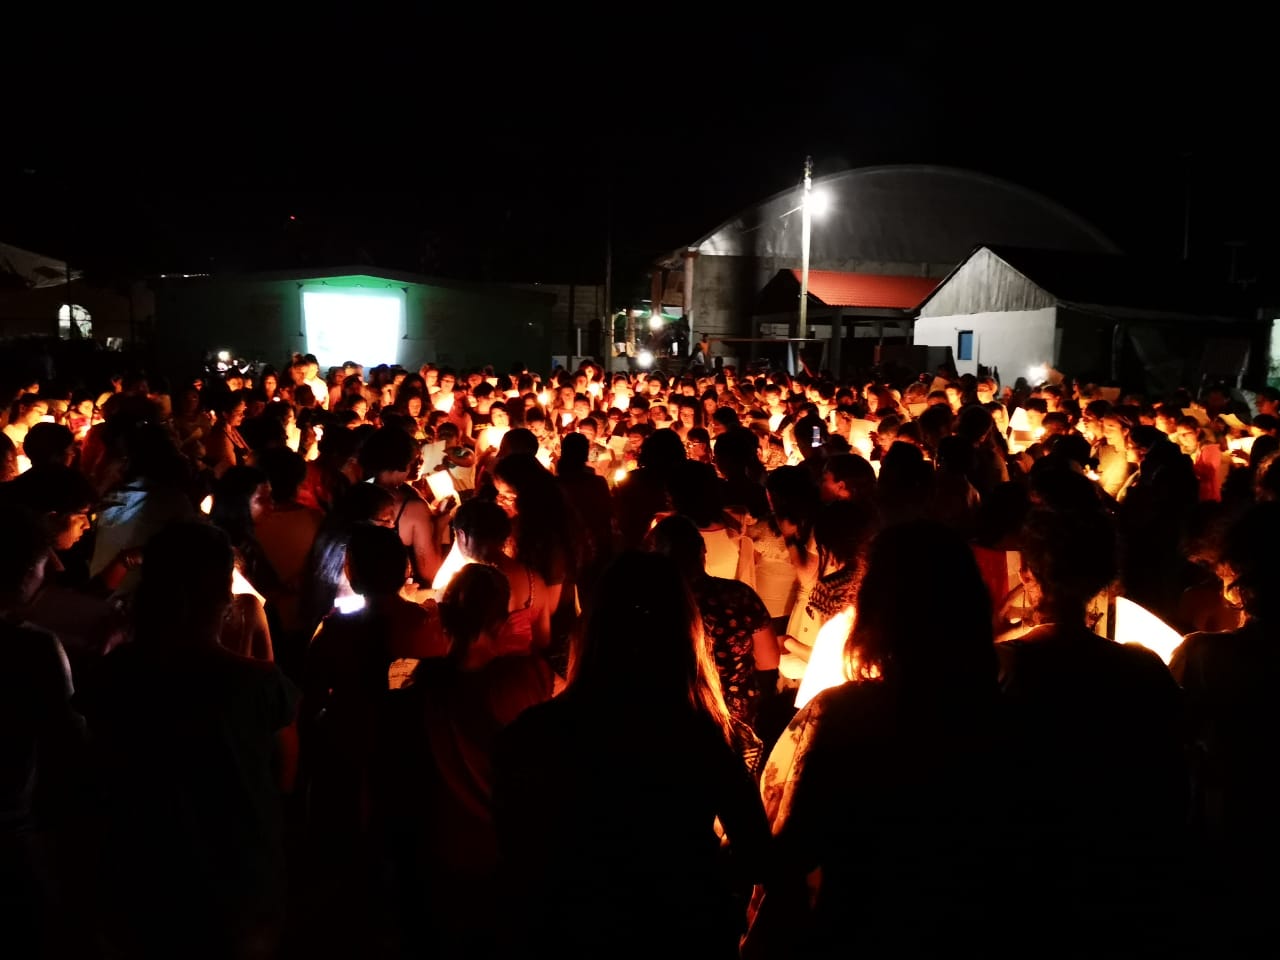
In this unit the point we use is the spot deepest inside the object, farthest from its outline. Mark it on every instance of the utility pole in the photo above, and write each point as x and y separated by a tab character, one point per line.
806	221
74	332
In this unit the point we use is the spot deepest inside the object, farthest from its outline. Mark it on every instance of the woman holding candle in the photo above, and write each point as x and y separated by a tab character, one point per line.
605	798
1102	776
885	786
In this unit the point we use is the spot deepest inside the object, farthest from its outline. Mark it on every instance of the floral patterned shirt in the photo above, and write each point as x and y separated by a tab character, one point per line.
731	614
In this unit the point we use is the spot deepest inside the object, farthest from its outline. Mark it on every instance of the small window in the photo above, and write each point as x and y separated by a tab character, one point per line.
964	347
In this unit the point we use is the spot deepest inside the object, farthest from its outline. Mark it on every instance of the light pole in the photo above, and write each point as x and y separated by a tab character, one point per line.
806	227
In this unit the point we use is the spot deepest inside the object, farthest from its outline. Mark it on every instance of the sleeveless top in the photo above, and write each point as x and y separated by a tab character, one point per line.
408	493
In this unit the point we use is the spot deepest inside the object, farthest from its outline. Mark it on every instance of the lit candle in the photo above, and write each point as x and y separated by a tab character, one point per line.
826	660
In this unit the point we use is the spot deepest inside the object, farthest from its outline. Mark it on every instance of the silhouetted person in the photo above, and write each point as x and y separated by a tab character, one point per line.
1102	781
1154	511
644	492
1230	679
605	797
588	495
734	618
463	703
40	737
195	744
890	785
906	485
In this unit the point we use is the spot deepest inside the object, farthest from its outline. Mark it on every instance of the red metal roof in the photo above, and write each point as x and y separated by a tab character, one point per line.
838	289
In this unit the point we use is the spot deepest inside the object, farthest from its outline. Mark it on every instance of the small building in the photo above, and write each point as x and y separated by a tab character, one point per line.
44	297
363	314
1015	312
577	318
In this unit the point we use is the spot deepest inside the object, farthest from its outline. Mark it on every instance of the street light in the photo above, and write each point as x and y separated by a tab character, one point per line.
819	202
812	203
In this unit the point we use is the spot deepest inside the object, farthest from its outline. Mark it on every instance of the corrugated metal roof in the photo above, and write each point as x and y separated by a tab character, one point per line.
908	214
1098	281
838	289
1117	281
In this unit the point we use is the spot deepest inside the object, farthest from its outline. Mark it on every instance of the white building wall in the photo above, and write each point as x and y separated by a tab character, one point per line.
1273	355
1013	341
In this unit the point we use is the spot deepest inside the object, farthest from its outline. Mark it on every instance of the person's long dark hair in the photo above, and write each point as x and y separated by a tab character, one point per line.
841	533
185	587
793	496
404	395
358	505
1072	555
737	457
412	386
232	514
925	638
905	488
546	539
1249	556
697	493
660	453
474	603
693	404
643	613
272	431
153	458
232	495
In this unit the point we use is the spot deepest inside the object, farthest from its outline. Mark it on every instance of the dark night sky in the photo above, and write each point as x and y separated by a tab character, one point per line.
437	147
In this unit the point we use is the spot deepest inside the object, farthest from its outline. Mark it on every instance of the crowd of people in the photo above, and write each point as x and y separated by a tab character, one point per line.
477	663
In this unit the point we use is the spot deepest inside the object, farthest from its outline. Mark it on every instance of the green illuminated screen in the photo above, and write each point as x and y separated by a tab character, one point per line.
363	326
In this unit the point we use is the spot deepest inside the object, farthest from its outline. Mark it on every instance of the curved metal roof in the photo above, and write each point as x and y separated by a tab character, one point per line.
905	214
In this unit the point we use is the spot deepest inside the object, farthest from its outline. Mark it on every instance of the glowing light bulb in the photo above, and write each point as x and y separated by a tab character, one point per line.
818	202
